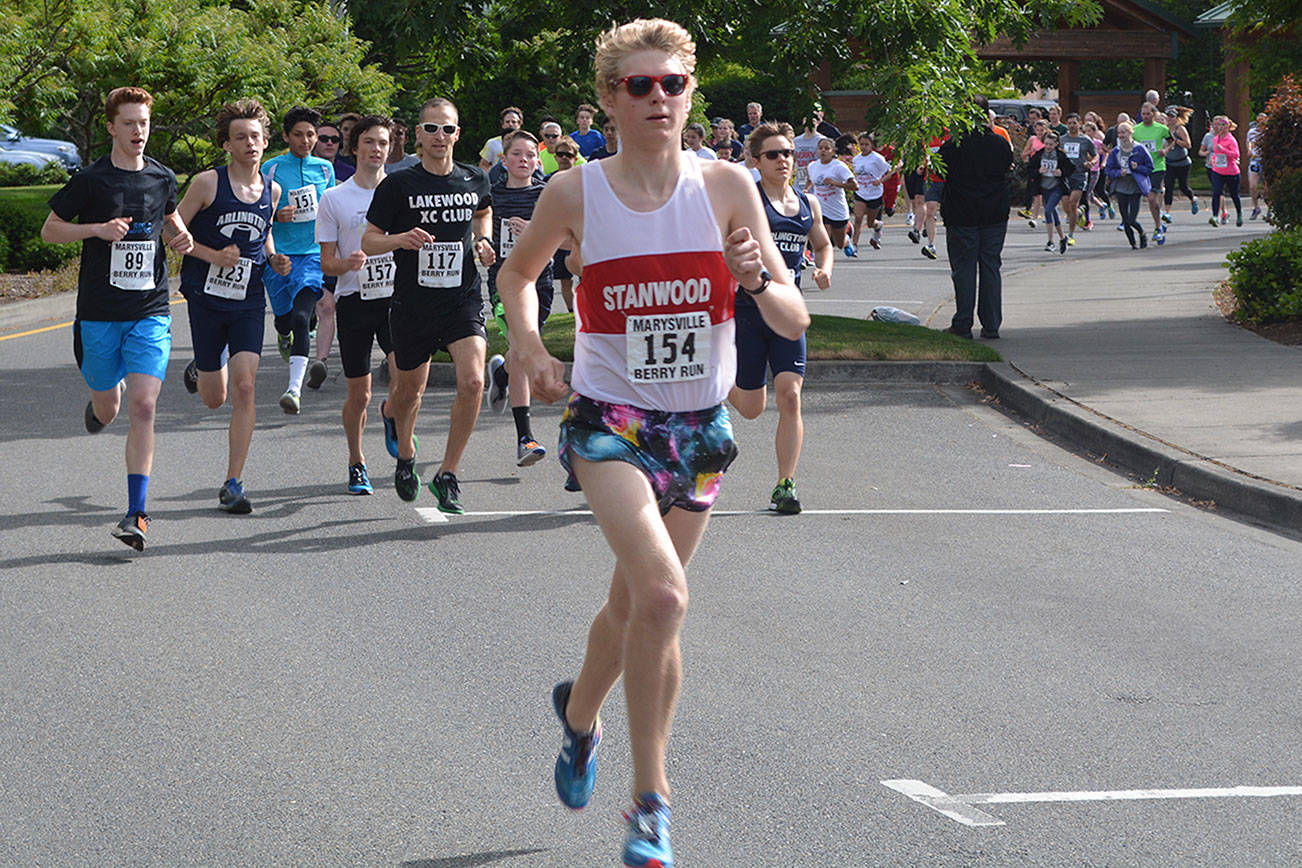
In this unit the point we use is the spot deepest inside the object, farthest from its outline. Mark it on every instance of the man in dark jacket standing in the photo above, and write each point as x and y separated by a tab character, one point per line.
975	209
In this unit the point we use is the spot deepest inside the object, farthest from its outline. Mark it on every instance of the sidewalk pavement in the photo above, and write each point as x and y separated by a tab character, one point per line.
1124	355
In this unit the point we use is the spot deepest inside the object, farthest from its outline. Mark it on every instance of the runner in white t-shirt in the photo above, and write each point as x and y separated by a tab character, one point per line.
831	179
363	291
870	170
806	152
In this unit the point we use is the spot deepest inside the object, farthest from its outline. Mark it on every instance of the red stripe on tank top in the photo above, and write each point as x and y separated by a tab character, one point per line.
611	291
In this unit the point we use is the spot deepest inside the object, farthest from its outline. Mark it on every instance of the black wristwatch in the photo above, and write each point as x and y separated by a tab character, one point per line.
765	280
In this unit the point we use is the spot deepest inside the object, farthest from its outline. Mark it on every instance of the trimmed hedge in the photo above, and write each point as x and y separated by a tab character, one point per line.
23	175
22	248
1266	277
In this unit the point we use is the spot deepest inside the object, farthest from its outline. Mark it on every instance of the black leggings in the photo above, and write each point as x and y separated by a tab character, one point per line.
298	322
1229	183
1178	175
1128	205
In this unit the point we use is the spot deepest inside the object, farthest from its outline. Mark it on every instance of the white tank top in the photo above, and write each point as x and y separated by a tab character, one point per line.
654	325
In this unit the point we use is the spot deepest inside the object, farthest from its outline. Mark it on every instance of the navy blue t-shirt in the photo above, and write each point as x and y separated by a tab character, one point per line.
513	202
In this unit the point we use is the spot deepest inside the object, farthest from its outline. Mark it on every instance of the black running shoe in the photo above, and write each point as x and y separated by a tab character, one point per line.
131	530
316	374
192	377
405	479
445	488
231	498
93	424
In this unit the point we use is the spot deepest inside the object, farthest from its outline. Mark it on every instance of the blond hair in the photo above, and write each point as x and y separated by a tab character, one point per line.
642	34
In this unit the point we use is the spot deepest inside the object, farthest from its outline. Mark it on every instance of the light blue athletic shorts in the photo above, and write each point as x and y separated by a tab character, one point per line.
108	351
304	273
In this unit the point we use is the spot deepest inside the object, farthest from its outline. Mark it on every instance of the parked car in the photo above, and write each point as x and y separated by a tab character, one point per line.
65	152
1016	108
17	157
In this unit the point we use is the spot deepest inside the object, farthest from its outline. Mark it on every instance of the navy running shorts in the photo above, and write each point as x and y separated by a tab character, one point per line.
760	348
214	329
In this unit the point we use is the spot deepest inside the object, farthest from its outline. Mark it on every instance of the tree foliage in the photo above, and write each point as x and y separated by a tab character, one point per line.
192	55
918	56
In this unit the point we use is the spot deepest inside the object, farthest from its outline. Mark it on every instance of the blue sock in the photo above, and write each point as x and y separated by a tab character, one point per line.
137	488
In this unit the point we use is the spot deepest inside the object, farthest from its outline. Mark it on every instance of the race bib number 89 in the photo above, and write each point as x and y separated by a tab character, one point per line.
131	265
668	348
440	264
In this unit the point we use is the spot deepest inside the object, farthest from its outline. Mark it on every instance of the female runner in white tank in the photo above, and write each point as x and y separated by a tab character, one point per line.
663	239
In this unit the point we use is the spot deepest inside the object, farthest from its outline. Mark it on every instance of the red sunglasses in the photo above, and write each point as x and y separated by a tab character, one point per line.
640	85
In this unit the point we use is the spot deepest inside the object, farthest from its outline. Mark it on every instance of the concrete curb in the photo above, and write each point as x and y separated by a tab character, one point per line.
1167	466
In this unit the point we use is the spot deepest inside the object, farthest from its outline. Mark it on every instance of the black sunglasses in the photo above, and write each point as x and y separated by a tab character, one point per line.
777	152
330	140
551	135
640	85
569	155
446	129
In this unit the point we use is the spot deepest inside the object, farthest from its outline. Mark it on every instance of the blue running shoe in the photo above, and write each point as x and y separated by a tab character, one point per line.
850	250
231	498
391	434
359	482
647	845
1193	206
576	765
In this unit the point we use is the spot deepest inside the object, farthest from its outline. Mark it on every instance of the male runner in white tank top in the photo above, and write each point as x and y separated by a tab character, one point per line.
631	342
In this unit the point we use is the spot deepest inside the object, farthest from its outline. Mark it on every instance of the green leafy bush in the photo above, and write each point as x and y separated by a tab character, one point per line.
4	251
23	175
1266	277
21	230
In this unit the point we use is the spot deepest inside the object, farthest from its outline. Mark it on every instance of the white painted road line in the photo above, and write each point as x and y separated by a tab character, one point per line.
432	515
946	804
960	807
1128	795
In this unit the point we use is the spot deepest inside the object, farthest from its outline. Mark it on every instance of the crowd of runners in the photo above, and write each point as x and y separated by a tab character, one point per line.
683	271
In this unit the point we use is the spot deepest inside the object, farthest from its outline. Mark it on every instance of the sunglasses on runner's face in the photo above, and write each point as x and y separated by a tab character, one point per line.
446	129
640	85
564	155
785	153
551	135
330	140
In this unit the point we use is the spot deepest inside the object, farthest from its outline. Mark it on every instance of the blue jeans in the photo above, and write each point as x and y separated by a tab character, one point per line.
1051	198
973	251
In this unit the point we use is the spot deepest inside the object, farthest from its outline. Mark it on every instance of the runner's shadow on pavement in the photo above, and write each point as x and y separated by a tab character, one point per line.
470	860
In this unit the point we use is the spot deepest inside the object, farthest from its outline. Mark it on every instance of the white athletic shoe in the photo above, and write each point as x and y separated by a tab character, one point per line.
497	396
909	220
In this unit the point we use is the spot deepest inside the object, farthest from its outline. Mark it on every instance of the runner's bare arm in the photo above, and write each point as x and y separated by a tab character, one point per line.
332	264
377	242
481	227
56	230
201	193
179	237
821	243
555	222
748	248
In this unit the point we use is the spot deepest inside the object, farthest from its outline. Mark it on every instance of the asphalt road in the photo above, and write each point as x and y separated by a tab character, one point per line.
342	680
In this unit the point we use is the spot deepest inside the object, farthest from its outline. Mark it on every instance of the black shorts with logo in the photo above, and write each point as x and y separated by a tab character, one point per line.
416	337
